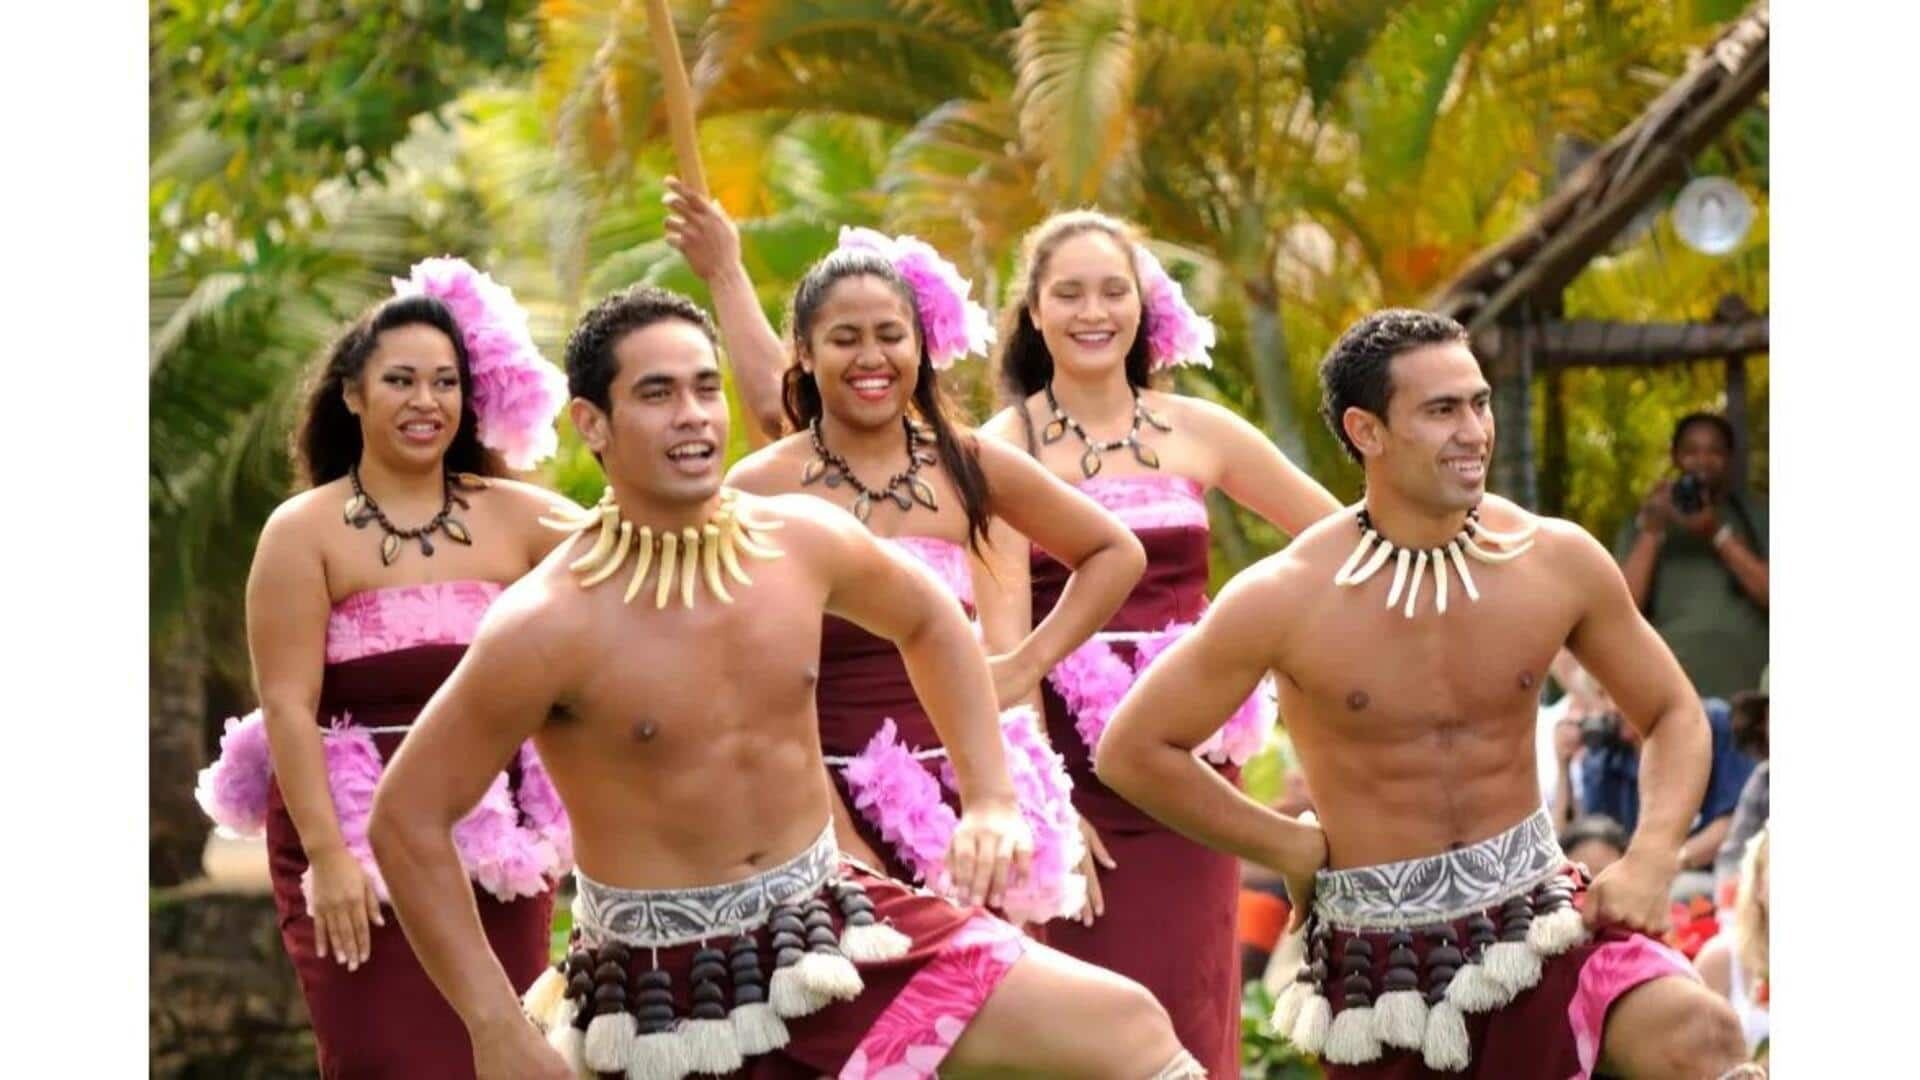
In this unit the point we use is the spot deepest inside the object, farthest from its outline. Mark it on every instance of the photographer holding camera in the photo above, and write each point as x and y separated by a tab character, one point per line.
1606	780
1695	558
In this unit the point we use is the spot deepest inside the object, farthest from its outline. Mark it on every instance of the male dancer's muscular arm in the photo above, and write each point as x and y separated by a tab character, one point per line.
1614	642
890	596
1146	753
499	695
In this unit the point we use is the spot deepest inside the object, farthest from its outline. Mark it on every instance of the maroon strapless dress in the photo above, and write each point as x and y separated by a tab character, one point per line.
388	650
1170	903
886	760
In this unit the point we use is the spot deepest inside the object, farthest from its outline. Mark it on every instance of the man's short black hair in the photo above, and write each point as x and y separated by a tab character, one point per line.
1713	420
590	362
1358	371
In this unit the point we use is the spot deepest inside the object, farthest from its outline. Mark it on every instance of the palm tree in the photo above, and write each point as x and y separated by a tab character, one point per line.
1297	161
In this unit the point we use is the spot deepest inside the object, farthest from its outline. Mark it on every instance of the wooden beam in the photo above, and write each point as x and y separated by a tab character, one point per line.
1578	221
1511	373
1603	343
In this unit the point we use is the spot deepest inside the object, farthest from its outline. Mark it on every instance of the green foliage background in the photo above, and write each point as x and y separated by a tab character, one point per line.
1295	162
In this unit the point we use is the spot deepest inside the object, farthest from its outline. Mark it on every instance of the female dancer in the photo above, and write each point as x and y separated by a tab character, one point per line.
1094	317
353	627
873	323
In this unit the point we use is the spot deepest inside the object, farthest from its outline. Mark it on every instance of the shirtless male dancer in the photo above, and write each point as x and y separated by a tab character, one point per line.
670	694
1409	636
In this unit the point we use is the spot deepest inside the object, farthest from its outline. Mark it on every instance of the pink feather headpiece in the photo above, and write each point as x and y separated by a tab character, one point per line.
1177	334
955	325
517	394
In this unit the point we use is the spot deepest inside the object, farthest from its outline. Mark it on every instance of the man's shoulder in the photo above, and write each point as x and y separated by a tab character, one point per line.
763	470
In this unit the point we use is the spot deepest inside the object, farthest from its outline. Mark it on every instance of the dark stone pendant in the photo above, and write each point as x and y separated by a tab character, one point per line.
426	545
900	497
389	549
1053	431
922	493
1144	454
812	471
456	530
835	477
1090	462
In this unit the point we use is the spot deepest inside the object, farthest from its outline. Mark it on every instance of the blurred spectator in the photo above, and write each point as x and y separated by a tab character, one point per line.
1695	558
1557	740
1734	964
1596	841
1607	781
1751	736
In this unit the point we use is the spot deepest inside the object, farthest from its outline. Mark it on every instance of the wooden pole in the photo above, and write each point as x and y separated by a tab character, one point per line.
678	94
1733	309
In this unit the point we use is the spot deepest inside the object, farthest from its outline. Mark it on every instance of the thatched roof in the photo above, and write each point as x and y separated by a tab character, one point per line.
1606	191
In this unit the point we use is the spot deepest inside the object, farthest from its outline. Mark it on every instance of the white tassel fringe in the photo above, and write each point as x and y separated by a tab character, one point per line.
830	976
1474	991
875	943
1446	1047
1286	1008
790	996
610	1041
758	1029
568	1041
710	1047
1551	935
1351	1041
1184	1066
660	1056
1309	1034
1400	1019
543	998
1514	965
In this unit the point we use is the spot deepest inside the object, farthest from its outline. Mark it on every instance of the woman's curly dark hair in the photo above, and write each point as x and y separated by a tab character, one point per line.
327	441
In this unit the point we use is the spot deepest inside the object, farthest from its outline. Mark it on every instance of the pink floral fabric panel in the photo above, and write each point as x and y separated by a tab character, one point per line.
918	1030
404	616
1610	971
1154	501
946	559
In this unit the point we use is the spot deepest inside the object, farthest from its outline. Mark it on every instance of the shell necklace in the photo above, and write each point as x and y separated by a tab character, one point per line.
690	555
1374	550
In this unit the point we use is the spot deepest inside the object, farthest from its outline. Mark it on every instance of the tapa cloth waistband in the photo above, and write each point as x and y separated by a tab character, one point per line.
662	918
1440	888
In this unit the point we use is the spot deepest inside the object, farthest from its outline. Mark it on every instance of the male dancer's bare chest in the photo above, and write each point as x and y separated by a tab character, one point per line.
1370	671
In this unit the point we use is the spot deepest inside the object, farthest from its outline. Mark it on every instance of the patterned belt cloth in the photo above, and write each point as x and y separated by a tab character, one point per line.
1441	888
662	918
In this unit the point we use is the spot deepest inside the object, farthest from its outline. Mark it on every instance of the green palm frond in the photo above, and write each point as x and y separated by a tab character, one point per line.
1414	60
1075	64
831	55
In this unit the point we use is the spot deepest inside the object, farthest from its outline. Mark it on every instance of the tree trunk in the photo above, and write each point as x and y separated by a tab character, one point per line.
176	750
1272	371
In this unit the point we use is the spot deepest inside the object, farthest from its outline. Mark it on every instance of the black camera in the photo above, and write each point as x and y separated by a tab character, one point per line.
1689	494
1601	731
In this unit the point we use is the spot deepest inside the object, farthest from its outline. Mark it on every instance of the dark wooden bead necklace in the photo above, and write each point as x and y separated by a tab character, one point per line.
361	510
904	488
1090	457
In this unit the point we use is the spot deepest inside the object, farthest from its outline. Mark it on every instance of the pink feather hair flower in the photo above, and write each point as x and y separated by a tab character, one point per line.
955	325
1176	334
516	393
